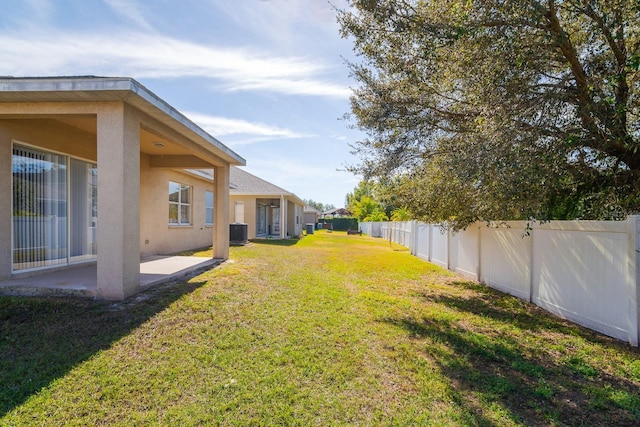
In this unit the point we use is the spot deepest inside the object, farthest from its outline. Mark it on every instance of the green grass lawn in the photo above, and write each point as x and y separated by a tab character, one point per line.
328	330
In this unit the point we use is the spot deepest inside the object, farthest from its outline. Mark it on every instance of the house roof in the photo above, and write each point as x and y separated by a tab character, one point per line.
245	184
309	209
338	211
124	89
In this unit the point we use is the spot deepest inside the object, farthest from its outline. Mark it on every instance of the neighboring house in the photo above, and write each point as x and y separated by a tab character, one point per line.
311	215
101	170
336	213
268	210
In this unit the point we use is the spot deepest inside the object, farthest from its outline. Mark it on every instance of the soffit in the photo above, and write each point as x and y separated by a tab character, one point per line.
100	89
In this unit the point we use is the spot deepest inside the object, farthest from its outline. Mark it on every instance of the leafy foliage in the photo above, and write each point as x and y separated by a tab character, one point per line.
364	188
367	209
321	207
400	214
499	110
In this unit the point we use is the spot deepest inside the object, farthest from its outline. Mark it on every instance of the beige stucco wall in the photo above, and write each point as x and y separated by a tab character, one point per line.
44	133
50	135
292	227
118	142
54	136
310	218
132	197
157	237
249	213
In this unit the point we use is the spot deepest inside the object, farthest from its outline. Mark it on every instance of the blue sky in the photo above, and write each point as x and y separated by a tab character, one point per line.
265	77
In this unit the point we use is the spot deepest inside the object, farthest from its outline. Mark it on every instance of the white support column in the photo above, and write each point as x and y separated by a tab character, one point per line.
633	231
221	213
118	202
283	218
6	215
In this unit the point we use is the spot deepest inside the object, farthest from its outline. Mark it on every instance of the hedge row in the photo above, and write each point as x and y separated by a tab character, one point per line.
342	224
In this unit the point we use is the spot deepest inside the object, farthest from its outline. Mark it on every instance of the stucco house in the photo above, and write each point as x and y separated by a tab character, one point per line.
268	210
101	170
311	215
336	213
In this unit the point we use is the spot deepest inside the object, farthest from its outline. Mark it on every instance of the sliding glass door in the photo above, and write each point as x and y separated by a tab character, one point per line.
83	210
261	220
54	209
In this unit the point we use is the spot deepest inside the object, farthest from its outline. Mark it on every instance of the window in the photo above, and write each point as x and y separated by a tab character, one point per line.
179	204
239	213
208	202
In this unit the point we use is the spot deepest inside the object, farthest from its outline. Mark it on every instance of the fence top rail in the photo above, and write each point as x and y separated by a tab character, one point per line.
577	225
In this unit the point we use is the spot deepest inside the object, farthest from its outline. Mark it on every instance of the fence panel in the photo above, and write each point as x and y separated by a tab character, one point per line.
464	252
585	271
505	262
365	227
439	246
422	241
580	273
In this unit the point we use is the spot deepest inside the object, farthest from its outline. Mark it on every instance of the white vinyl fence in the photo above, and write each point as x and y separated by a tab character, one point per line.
585	271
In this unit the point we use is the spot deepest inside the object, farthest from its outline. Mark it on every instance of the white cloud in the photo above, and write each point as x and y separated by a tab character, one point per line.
130	10
283	22
294	87
40	9
224	126
277	169
155	56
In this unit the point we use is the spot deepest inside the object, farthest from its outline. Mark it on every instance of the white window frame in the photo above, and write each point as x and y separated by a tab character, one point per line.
208	208
180	204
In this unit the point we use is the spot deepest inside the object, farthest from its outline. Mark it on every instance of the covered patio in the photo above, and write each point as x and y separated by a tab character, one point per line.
100	174
82	280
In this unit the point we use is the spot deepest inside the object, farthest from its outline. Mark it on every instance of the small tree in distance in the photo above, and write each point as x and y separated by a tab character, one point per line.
318	205
368	210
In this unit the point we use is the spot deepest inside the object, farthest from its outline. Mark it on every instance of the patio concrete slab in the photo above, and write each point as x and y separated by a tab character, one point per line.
82	280
158	269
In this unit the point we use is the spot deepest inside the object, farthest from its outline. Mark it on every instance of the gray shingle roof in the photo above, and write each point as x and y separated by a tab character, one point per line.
248	184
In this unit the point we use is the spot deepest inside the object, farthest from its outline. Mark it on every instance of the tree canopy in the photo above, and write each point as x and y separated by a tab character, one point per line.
319	206
368	203
487	110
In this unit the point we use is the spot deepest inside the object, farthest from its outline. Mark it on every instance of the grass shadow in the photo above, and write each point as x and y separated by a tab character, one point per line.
43	338
276	242
487	302
531	387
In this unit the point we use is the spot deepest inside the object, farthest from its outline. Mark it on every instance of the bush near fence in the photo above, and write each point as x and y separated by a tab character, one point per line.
584	271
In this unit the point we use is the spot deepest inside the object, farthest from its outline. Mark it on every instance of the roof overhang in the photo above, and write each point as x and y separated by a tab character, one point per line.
102	89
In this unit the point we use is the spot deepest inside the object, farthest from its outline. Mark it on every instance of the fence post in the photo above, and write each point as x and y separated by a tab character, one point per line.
430	242
448	247
414	237
633	229
532	256
479	269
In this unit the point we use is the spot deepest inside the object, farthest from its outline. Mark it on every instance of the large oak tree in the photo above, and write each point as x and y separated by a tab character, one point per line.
487	110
